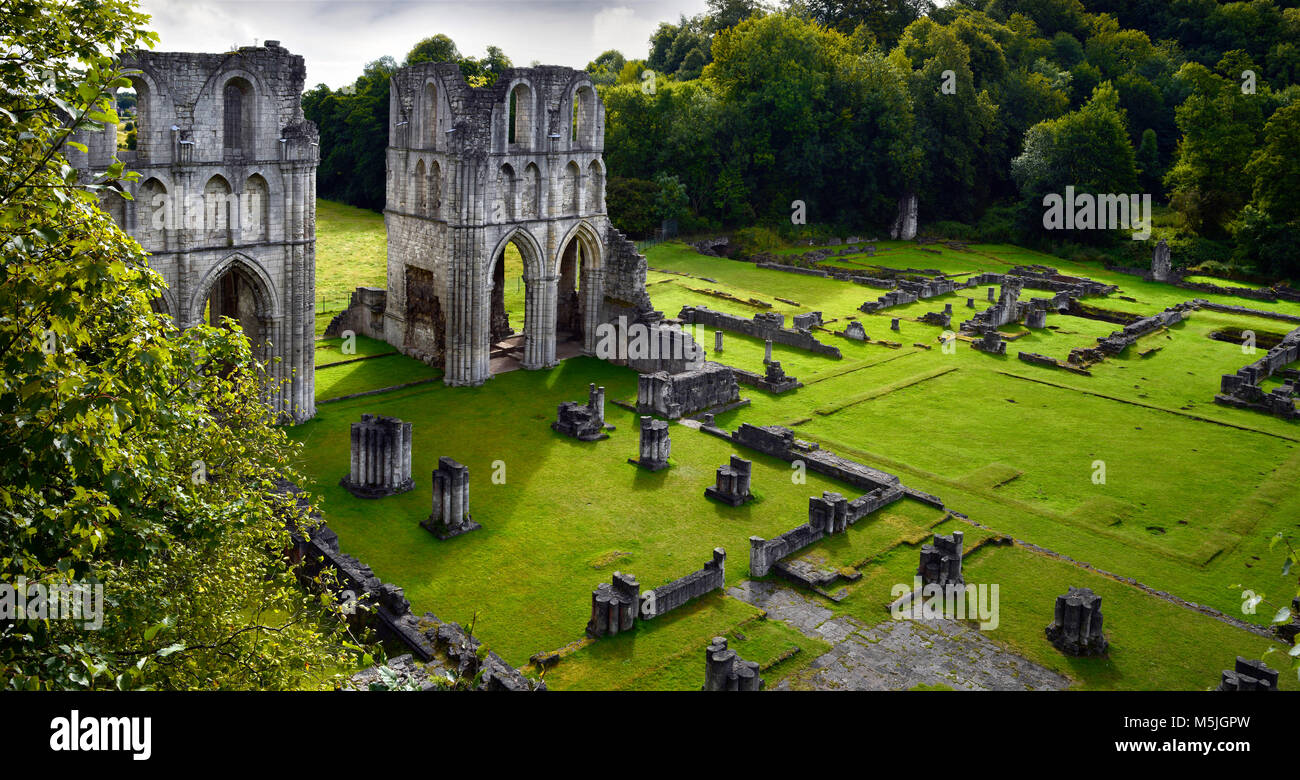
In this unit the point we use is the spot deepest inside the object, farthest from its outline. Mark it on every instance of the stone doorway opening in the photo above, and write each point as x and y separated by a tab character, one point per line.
507	306
237	294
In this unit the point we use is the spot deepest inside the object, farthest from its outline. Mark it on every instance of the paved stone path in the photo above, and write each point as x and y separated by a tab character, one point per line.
896	654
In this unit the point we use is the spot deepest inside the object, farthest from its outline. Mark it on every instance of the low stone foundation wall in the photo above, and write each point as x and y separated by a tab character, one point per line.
780	442
384	607
1120	340
616	605
1243	389
681	395
769	326
828	514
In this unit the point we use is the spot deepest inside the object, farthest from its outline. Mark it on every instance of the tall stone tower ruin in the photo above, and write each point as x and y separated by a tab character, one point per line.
226	200
473	170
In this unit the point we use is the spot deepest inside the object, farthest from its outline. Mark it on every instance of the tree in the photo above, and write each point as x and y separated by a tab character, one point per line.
484	72
886	19
1268	228
135	456
1274	167
631	205
1147	159
605	69
729	13
804	114
954	120
671	201
1220	126
439	48
1086	149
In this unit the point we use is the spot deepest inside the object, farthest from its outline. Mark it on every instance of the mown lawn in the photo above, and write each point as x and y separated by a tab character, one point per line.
1192	490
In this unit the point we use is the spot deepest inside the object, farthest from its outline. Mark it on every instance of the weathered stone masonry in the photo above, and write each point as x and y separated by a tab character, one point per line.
226	199
615	605
471	170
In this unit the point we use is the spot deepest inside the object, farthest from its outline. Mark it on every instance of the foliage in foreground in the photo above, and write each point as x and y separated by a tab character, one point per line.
132	455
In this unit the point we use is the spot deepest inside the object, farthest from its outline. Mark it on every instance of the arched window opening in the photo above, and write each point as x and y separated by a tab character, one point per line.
571	192
254	210
430	116
433	186
235	295
421	190
530	200
219	212
595	188
584	117
237	119
153	215
507	192
142	139
519	131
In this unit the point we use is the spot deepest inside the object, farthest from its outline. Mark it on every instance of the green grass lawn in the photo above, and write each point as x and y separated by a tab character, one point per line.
1192	490
351	252
365	375
1154	645
331	352
567	515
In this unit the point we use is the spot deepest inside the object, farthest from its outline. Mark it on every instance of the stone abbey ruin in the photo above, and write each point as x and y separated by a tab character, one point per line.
472	170
226	206
792	440
226	199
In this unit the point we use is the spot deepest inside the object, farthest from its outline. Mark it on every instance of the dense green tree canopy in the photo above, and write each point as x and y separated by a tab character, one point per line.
846	104
132	456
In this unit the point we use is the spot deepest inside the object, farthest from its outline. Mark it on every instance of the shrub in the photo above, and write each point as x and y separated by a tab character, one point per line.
752	240
958	231
631	204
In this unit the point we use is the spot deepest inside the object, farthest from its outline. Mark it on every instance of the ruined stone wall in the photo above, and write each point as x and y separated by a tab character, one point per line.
473	170
780	442
764	325
385	608
764	554
1120	340
1243	390
364	315
680	395
227	186
705	580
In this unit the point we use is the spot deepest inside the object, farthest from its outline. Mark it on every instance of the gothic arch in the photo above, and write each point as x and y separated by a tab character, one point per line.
595	184
570	190
255	209
591	245
152	107
530	192
582	116
580	284
154	213
521	115
431	112
251	130
268	303
508	190
529	247
421	188
219	213
433	189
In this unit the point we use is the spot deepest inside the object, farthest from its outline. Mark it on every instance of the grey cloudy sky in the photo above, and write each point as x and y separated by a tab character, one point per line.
337	37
